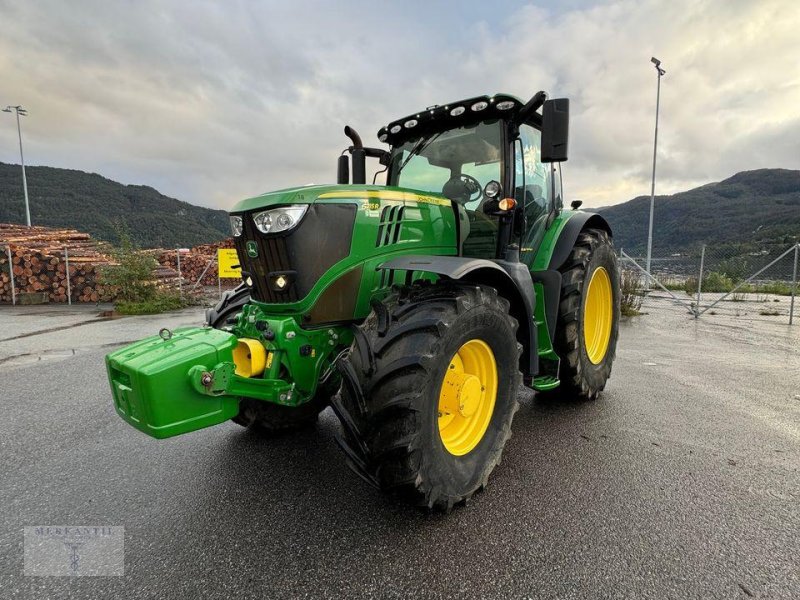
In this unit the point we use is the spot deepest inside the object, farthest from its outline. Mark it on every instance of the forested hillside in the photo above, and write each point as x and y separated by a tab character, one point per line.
94	204
752	211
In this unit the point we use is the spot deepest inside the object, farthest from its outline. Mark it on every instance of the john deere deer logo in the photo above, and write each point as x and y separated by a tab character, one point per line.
252	249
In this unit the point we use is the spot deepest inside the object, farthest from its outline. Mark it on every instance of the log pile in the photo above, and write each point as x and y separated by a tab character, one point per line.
38	263
195	261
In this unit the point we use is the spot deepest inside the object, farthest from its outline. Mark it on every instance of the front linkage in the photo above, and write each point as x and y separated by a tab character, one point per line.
181	381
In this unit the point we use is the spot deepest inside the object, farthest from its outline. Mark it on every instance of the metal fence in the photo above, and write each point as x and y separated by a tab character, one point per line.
717	280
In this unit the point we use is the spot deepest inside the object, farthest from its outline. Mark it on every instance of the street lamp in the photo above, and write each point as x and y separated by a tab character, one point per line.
660	72
22	112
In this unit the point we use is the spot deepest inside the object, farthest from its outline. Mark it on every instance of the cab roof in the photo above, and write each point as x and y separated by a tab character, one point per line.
451	115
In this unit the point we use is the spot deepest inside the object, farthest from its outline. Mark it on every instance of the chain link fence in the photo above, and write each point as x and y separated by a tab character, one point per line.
714	280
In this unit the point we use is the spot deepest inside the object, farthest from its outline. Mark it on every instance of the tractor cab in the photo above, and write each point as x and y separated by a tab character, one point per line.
485	154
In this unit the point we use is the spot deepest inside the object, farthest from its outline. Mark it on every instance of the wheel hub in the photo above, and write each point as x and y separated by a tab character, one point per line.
467	397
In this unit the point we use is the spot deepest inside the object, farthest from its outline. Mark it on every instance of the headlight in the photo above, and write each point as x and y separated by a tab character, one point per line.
276	220
236	226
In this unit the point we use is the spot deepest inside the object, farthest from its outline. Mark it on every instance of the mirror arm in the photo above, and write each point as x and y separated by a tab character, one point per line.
534	104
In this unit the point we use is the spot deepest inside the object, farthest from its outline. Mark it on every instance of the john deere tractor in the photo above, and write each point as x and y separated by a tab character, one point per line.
414	309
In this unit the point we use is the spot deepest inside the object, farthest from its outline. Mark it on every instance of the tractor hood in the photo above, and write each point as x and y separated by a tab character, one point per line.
310	194
339	231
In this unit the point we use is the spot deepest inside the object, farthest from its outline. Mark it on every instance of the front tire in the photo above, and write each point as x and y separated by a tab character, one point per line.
271	419
588	318
439	367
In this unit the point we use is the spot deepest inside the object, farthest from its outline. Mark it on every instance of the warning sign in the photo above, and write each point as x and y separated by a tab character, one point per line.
228	263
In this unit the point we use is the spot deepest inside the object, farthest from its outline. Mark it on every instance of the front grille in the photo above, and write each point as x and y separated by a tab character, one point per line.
304	253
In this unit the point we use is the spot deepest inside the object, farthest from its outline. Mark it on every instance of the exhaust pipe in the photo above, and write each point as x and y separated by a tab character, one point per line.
359	156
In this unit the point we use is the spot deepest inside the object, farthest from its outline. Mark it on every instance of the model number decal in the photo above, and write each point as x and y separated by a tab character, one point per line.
368	206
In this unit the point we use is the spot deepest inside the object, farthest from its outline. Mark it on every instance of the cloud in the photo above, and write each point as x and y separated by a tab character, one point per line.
211	102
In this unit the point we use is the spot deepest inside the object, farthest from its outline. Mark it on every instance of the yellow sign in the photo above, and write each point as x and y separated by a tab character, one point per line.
228	262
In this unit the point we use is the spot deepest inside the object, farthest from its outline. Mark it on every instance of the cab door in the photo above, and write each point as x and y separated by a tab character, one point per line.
533	190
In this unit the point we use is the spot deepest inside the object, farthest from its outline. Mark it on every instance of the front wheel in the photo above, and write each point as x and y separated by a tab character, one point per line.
439	369
588	317
270	418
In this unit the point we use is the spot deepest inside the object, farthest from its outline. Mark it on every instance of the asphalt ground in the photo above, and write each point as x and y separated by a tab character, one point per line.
680	482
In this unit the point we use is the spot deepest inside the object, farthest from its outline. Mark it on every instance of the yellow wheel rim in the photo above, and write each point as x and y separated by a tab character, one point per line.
467	397
597	315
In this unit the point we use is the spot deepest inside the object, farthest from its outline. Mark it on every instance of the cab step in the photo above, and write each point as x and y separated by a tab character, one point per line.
545	383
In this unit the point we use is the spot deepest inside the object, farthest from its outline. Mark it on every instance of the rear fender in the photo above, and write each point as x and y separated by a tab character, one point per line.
550	277
569	235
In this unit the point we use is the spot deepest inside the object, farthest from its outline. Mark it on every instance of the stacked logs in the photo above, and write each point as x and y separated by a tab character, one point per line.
195	262
39	264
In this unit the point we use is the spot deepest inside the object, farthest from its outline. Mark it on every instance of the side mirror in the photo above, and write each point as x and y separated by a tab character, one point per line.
555	130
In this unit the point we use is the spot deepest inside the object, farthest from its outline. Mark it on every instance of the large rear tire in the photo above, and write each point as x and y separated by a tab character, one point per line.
588	317
439	369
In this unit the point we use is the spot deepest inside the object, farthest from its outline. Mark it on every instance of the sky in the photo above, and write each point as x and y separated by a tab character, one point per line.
211	102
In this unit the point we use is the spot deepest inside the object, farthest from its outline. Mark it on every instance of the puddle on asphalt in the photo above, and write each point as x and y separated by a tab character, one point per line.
35	357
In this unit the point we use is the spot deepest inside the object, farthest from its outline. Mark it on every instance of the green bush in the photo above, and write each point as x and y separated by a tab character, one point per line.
712	282
717	282
631	298
735	269
132	276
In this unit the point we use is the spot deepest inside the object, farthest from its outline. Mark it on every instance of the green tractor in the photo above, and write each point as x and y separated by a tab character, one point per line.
414	309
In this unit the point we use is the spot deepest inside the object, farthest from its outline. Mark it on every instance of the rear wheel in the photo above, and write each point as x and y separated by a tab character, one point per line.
588	319
439	367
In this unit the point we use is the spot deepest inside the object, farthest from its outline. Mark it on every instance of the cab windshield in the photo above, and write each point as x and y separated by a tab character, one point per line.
457	163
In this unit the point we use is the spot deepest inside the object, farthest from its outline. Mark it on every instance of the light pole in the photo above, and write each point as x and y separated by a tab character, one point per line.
21	111
660	72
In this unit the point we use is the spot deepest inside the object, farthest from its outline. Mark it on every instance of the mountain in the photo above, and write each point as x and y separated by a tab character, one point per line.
752	211
94	204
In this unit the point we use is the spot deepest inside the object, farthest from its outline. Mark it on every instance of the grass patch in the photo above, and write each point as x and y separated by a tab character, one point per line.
769	312
719	283
158	303
673	284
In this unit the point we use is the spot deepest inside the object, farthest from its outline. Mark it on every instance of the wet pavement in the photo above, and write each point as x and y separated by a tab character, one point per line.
682	481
